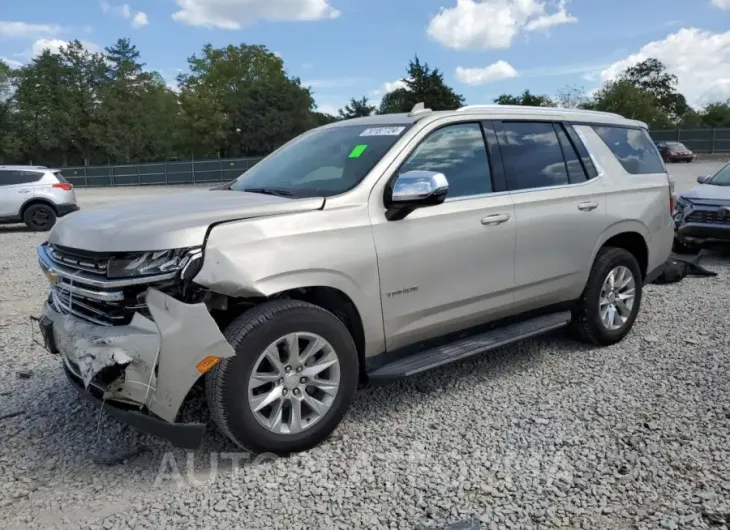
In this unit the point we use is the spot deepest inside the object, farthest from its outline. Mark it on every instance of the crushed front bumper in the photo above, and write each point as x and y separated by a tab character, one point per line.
702	224
141	372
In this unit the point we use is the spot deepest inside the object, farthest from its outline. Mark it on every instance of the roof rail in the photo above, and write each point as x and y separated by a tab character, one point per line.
419	108
527	108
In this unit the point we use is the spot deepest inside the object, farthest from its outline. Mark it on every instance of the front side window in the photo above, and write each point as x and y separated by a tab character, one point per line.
531	154
459	152
633	148
322	162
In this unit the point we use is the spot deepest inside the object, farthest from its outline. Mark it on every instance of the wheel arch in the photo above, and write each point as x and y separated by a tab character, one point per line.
632	236
36	200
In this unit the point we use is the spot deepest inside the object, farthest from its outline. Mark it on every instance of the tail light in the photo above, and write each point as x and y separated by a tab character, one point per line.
63	185
672	196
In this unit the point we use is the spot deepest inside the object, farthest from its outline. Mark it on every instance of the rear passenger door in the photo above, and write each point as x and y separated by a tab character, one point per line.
560	209
16	187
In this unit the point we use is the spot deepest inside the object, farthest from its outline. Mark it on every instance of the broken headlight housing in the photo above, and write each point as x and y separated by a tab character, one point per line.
153	263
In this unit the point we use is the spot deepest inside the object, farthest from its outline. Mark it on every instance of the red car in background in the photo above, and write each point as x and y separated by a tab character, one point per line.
675	152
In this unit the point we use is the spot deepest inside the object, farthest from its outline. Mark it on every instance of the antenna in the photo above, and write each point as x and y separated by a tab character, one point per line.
419	108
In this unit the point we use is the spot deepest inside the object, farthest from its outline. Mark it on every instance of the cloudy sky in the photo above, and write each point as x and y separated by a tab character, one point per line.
345	48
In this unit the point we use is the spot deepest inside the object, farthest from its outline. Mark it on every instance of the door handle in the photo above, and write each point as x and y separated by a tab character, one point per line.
496	219
588	206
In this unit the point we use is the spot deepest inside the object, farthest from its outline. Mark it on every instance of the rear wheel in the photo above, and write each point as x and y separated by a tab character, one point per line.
606	310
39	217
291	381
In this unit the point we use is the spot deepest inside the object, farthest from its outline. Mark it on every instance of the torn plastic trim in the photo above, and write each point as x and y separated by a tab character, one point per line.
159	356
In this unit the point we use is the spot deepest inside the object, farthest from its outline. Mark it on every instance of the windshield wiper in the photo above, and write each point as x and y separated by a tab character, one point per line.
270	191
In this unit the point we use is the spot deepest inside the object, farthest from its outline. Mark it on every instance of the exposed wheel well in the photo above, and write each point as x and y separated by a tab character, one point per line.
340	305
634	243
36	201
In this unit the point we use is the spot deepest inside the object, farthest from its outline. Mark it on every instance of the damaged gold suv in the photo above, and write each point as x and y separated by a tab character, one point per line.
360	252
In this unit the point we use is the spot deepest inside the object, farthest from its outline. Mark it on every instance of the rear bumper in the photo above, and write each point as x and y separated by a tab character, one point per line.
679	158
65	209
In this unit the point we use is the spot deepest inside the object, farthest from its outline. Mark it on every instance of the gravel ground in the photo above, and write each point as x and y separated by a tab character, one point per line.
544	434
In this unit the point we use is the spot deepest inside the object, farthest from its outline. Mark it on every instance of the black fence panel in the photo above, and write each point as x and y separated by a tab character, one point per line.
697	140
159	173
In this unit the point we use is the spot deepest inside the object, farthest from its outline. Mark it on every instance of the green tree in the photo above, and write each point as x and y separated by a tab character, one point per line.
322	118
572	97
8	136
123	113
422	84
625	98
651	75
357	108
246	103
716	115
526	98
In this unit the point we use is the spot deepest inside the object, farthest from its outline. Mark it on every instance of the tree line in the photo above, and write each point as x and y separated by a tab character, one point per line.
77	107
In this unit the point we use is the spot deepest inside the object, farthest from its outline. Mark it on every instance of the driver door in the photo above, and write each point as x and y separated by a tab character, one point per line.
448	267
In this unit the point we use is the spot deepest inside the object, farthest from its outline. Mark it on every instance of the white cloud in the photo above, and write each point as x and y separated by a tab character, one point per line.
55	45
140	19
327	108
722	4
388	86
24	30
235	14
700	60
493	24
11	62
488	74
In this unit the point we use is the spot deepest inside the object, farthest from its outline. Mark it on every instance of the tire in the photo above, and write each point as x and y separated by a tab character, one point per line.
250	334
39	217
587	324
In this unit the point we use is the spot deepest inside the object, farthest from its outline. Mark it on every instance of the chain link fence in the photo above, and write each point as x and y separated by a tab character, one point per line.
159	174
697	140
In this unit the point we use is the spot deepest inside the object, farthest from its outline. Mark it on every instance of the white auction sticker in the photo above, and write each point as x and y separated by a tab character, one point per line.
383	131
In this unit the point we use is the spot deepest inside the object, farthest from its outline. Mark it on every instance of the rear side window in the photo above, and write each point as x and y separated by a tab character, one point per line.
577	142
576	172
633	148
531	154
60	177
10	177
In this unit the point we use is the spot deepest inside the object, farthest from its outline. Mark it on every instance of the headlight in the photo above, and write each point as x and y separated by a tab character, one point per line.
150	263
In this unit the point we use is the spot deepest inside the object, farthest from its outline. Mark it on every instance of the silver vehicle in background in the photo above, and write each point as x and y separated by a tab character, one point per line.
34	195
362	251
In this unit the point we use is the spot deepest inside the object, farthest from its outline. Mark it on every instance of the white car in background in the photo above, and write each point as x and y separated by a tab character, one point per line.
34	195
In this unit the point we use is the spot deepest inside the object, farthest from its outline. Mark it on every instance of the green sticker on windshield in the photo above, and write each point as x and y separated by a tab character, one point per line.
357	151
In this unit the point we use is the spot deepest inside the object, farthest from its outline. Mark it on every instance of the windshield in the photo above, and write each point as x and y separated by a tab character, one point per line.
676	146
722	177
322	163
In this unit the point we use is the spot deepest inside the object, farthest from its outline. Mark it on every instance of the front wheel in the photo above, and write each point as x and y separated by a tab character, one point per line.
39	217
606	310
291	381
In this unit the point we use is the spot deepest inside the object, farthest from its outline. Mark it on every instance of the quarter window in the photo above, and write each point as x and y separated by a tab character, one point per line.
633	148
531	154
458	151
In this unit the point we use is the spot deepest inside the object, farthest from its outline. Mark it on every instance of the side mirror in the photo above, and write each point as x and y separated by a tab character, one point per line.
415	189
703	179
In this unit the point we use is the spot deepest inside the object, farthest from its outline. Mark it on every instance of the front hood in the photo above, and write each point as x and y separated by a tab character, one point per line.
708	194
174	221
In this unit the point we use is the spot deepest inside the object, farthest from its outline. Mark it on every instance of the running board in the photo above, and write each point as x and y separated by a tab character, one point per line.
463	348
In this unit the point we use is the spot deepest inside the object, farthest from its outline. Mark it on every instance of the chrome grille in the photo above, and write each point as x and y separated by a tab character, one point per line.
716	217
80	286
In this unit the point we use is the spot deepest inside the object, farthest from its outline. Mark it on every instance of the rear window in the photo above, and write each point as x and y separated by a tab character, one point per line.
60	177
633	148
